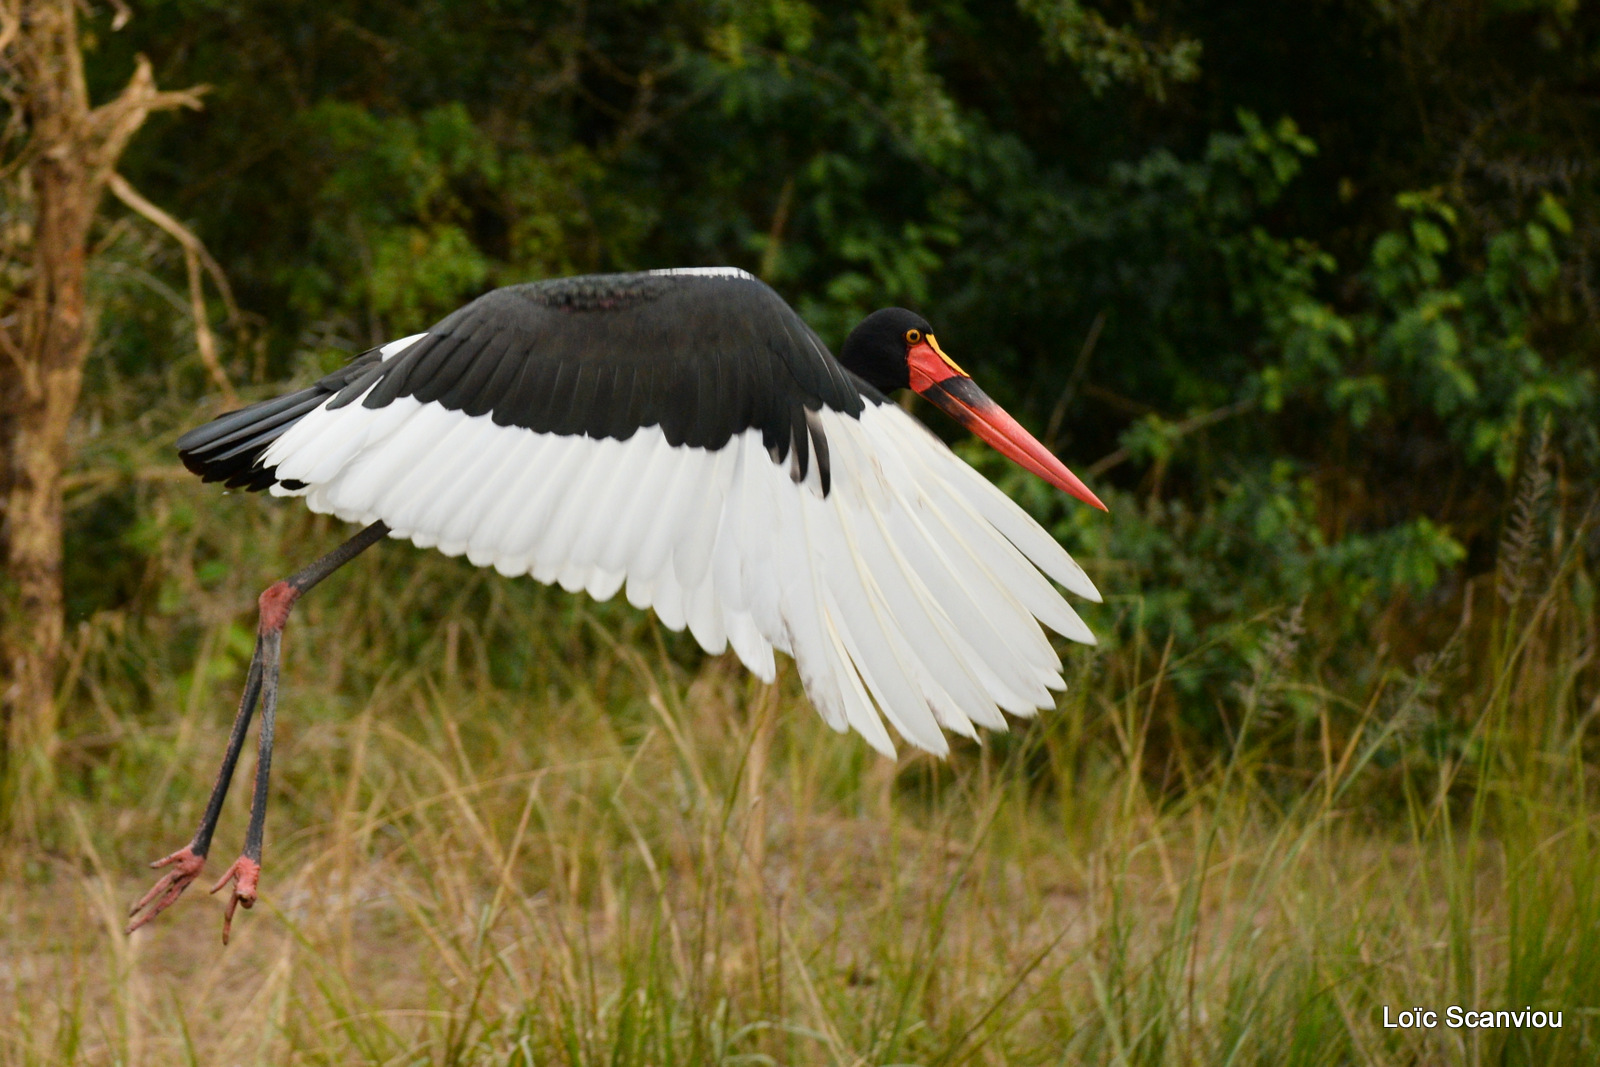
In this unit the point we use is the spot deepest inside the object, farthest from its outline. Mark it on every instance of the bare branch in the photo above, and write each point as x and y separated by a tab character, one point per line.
1073	380
9	344
123	190
204	341
195	255
1182	429
114	123
10	24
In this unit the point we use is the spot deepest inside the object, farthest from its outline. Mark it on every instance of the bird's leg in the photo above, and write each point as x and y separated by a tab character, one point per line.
245	873
261	685
187	862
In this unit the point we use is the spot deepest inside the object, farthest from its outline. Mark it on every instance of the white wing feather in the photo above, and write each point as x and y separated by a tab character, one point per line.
912	593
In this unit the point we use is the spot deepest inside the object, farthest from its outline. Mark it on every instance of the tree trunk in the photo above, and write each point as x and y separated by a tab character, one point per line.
71	150
41	411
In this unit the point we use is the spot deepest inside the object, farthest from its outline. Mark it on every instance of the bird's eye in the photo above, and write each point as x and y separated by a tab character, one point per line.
913	336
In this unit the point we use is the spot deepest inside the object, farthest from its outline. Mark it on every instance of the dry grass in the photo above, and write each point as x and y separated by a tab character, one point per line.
510	827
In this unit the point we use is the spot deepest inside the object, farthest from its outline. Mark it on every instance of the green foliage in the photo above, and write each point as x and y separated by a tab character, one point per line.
393	238
1457	349
1305	328
1105	54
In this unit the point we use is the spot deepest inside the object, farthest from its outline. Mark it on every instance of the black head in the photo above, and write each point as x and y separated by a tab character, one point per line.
895	349
878	348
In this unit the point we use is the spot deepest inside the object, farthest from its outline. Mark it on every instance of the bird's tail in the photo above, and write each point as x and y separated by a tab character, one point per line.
229	448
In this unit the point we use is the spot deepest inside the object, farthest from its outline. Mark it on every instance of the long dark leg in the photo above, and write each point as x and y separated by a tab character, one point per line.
260	684
187	862
245	874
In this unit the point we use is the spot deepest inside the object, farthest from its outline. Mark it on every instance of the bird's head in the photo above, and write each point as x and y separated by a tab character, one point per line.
895	349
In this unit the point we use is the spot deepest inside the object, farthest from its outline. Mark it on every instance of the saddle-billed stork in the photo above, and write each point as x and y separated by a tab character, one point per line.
685	433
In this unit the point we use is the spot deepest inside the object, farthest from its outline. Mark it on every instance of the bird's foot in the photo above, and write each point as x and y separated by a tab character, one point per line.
186	867
245	874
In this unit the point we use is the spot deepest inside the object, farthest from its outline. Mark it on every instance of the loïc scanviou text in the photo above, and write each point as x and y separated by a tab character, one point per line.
1456	1017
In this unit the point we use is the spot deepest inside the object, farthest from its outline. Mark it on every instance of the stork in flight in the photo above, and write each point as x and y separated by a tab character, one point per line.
684	433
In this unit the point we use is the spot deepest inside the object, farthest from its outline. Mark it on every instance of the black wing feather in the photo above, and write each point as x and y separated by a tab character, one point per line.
504	379
624	404
453	357
577	414
546	405
228	449
703	355
397	373
471	394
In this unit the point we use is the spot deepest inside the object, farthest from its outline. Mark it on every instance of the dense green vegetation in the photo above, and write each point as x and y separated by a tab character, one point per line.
1306	280
1306	291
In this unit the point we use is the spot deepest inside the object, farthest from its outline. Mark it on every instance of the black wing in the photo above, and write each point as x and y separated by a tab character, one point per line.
704	354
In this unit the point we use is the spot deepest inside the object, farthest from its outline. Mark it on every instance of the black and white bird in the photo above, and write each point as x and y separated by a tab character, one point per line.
682	435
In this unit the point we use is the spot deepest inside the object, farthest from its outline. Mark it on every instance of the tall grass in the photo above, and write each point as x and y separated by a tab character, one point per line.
513	827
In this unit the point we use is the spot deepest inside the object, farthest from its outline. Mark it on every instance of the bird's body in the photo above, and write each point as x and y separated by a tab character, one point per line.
683	435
